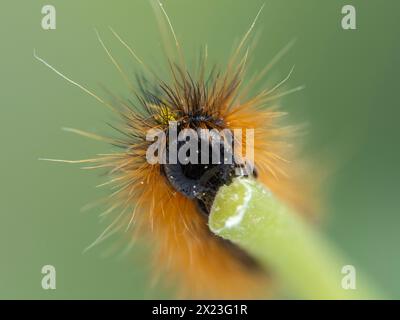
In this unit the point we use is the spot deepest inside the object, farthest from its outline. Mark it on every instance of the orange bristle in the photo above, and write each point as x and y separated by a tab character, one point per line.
186	252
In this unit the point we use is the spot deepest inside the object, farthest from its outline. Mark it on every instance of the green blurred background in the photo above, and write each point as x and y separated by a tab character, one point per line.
350	104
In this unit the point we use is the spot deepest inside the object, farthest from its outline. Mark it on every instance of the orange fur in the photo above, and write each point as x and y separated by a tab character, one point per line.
186	252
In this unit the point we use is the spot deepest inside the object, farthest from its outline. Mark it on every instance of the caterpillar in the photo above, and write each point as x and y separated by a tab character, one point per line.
168	203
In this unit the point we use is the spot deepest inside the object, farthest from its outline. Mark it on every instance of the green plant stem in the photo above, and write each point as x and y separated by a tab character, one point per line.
307	266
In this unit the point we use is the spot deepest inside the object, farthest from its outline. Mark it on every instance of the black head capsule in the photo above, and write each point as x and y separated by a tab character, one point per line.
201	181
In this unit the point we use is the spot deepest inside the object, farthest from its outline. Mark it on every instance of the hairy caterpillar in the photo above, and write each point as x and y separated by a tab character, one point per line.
163	201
